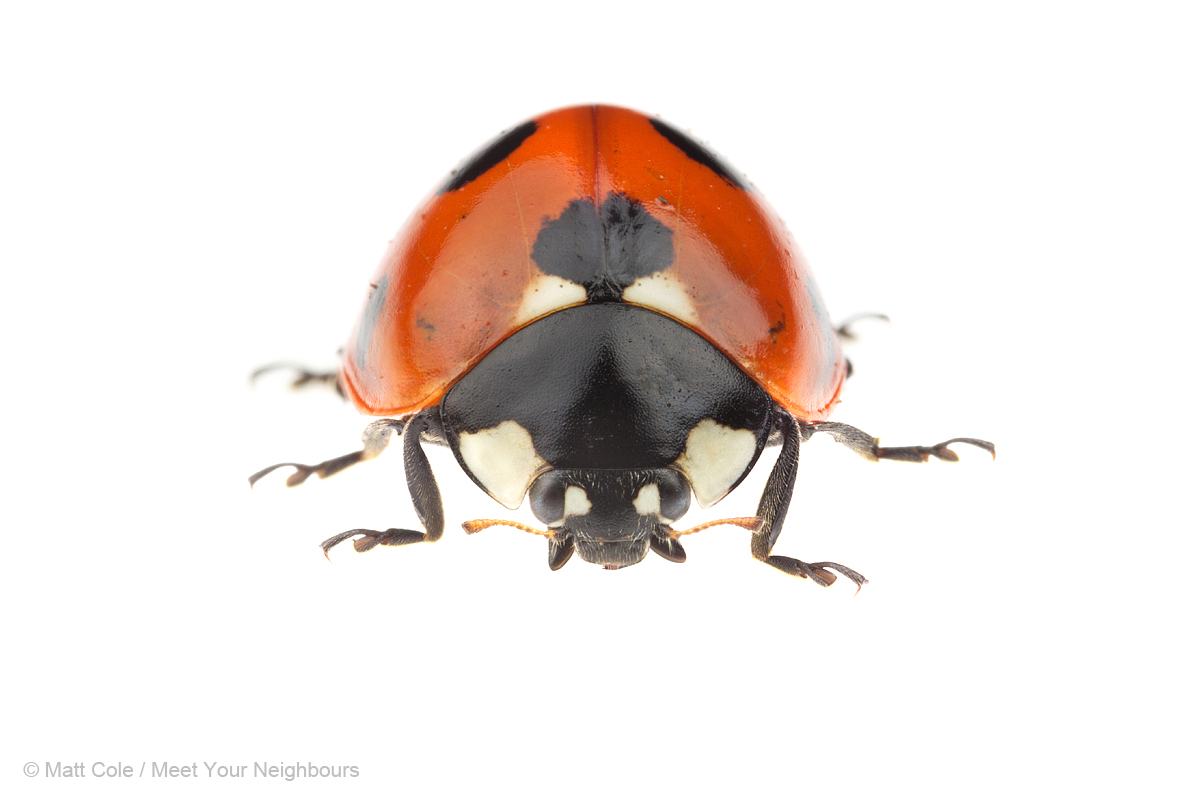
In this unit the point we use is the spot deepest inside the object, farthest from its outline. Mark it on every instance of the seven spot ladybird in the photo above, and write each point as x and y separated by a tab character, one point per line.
597	311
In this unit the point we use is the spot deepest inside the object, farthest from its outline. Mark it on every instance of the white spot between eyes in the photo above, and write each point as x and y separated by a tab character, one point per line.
575	502
647	503
503	460
547	293
715	458
665	294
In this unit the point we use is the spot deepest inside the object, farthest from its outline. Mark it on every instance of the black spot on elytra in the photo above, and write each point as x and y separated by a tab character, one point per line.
366	326
604	249
699	153
489	156
778	327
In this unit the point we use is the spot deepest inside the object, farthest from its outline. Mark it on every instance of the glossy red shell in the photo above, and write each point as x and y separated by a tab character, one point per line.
455	279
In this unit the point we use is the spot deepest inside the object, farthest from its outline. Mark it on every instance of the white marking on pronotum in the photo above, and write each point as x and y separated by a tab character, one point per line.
715	457
547	293
576	502
503	460
648	503
665	294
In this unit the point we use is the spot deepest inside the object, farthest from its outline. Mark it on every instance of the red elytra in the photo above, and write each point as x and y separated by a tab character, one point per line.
461	276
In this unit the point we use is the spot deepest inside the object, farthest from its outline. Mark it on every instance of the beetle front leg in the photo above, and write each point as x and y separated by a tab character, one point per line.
422	487
773	507
778	494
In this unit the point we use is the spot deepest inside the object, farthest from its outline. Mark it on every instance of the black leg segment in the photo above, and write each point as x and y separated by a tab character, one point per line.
375	440
422	487
868	447
773	507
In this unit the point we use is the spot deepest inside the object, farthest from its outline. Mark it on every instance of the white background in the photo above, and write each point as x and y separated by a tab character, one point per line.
186	195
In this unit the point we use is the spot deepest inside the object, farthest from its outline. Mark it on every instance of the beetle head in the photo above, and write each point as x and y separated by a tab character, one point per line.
612	517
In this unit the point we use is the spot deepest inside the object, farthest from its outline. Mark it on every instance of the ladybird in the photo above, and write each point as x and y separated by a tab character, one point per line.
598	312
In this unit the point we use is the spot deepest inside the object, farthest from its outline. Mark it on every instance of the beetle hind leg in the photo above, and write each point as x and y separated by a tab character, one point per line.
846	330
302	376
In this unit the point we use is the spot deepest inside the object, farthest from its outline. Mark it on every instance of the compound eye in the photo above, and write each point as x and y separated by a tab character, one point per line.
547	498
674	495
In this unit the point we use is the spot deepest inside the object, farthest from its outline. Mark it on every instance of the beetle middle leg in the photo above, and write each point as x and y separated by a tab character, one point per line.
422	487
375	440
778	494
868	447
